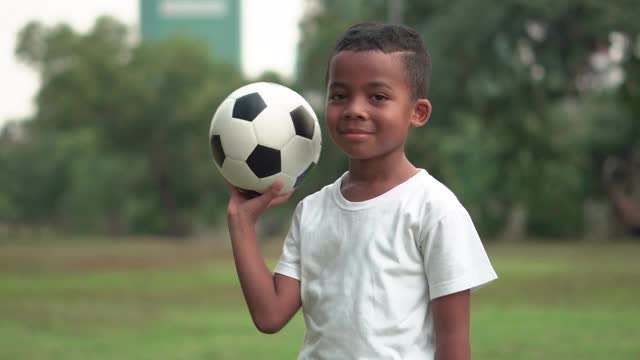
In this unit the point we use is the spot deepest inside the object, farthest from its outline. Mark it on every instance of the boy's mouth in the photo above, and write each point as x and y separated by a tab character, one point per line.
354	131
354	134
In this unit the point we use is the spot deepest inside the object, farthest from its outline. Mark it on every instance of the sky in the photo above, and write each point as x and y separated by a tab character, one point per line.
267	44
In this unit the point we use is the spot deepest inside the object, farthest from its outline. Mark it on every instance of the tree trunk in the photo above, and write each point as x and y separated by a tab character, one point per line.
515	228
627	210
166	194
615	173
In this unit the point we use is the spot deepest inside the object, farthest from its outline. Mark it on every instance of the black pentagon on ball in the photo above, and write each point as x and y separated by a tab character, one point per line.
248	107
217	150
303	175
303	121
264	161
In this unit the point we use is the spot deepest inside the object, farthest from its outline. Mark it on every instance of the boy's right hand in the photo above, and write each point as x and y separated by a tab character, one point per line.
249	208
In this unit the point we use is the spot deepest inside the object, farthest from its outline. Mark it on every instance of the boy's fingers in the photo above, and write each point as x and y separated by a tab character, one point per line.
273	193
235	191
274	190
281	199
276	187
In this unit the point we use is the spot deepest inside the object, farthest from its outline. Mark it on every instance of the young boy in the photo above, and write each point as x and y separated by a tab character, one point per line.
383	260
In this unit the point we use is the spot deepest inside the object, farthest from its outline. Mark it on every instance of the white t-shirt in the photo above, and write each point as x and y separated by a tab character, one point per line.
369	270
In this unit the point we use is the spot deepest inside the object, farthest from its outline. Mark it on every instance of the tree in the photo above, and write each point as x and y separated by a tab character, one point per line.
147	103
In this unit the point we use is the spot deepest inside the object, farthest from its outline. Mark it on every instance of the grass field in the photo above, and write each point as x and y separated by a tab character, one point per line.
148	299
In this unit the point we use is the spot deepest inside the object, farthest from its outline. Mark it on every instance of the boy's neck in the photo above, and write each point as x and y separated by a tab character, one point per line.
370	178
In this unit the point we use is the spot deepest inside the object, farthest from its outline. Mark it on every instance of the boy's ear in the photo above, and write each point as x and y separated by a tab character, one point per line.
421	113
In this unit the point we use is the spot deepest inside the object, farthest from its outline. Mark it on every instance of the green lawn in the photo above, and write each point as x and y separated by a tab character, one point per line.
155	300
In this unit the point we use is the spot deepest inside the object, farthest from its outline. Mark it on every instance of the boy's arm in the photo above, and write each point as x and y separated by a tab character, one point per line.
272	299
451	315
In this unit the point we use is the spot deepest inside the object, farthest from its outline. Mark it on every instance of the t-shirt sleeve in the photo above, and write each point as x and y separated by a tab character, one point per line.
289	263
454	257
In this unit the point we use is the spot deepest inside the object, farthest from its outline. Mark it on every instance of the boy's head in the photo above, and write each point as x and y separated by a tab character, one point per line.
391	38
377	82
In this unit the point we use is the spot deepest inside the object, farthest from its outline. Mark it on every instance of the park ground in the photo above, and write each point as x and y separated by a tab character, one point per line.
158	299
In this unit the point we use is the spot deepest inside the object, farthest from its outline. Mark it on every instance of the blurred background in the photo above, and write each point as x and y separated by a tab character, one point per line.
112	235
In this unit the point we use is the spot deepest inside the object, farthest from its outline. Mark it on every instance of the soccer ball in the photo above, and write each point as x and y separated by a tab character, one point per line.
263	132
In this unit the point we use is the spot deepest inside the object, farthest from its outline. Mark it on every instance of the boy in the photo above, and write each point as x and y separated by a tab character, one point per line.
383	260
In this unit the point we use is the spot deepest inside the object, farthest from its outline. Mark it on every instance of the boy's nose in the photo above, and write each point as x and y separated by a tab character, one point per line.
355	109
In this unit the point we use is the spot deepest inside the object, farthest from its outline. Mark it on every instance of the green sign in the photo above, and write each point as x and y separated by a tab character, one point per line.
216	22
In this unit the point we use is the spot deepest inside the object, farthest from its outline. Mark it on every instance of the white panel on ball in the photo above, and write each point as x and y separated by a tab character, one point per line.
274	127
239	174
223	112
238	138
317	142
295	156
280	96
265	183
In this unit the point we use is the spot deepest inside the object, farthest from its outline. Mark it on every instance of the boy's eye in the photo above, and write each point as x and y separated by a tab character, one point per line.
337	97
379	97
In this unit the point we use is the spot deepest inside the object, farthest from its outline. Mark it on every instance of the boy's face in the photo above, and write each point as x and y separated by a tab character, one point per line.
369	107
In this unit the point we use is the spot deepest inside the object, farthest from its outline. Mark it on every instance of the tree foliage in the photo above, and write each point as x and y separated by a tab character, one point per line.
133	119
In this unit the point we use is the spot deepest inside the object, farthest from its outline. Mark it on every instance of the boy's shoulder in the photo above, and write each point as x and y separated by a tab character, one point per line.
434	198
437	193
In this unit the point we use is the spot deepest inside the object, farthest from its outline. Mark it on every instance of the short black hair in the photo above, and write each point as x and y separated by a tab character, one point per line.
391	38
